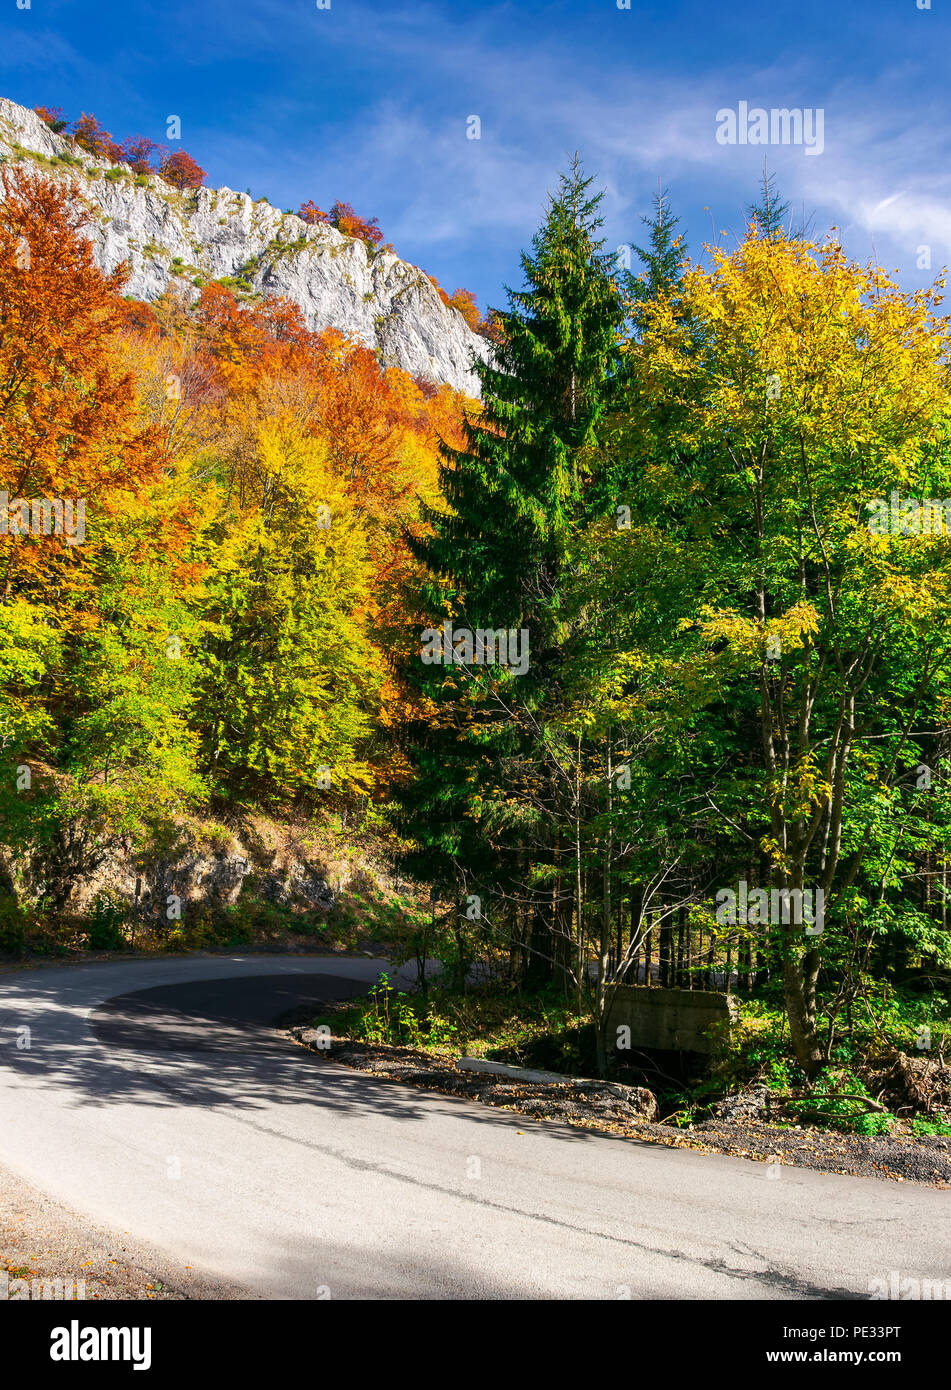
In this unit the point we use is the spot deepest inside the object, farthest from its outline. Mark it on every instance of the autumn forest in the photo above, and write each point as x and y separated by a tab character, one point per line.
302	574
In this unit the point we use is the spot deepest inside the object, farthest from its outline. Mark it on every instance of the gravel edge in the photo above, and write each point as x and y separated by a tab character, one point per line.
899	1158
42	1238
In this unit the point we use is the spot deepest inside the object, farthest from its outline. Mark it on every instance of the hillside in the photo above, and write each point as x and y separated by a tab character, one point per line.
169	237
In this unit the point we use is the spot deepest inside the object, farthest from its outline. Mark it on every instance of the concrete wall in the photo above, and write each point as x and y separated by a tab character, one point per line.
674	1019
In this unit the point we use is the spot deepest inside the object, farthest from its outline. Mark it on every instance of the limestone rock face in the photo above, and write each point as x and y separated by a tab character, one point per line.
208	871
213	234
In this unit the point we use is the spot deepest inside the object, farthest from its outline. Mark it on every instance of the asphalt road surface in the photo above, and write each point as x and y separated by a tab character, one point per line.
157	1098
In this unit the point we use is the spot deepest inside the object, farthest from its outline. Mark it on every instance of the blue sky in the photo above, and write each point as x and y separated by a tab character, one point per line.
368	102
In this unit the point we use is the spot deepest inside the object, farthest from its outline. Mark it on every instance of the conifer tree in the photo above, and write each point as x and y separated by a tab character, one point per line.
513	489
495	556
664	255
662	266
770	211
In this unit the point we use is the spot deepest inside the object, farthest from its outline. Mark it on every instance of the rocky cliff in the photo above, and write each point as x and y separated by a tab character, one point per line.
189	238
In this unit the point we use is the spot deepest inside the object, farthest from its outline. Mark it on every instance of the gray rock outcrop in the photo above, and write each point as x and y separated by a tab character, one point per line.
169	237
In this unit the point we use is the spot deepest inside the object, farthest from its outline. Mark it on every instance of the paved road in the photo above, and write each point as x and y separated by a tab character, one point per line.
156	1099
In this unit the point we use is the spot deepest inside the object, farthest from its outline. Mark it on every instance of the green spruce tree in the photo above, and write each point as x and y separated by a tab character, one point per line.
664	254
514	490
494	556
770	210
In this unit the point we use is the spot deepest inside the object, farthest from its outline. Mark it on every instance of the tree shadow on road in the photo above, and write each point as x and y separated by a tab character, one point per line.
208	1043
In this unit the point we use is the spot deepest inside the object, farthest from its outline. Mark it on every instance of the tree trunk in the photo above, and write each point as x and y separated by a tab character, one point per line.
604	946
799	988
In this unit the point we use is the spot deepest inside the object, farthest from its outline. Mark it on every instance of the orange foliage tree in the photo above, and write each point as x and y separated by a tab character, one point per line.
343	217
95	572
379	429
347	221
54	118
65	400
312	214
464	302
91	136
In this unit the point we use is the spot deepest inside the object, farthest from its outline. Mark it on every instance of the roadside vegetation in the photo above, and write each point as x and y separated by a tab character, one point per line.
878	1080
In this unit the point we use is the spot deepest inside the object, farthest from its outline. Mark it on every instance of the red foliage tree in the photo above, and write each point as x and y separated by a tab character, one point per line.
346	220
343	217
137	152
282	321
141	317
312	214
180	170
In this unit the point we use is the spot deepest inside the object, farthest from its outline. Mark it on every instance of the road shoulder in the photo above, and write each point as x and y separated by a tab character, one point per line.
45	1245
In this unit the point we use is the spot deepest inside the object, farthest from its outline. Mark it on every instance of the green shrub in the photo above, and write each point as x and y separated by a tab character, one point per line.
872	1124
236	283
108	916
12	927
922	1125
219	837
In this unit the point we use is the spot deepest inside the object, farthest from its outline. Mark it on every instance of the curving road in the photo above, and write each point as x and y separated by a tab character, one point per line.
156	1099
